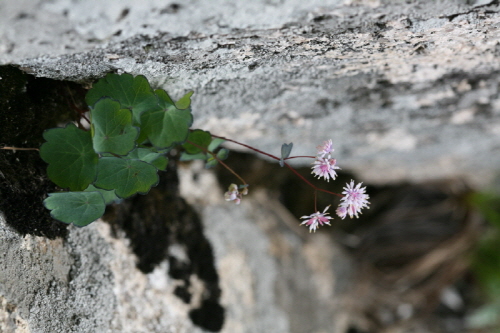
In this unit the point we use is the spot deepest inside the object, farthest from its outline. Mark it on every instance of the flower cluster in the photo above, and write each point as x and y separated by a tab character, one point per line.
353	201
325	166
233	193
317	219
354	197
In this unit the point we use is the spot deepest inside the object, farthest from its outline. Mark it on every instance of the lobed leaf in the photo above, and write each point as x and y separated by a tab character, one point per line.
109	196
71	158
79	208
126	176
133	93
216	142
112	130
165	125
190	157
185	101
200	140
204	140
159	160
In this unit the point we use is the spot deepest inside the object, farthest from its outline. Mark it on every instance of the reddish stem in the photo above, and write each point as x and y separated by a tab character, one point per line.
80	112
278	159
247	146
85	117
288	158
218	160
309	183
315	200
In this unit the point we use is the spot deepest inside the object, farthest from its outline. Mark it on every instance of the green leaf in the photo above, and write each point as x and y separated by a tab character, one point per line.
190	157
112	130
79	208
203	139
216	142
222	154
199	139
71	158
126	176
160	151
159	160
166	125
211	162
109	196
286	149
133	93
184	102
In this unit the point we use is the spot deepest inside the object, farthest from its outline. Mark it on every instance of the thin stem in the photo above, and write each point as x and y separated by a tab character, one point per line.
278	159
247	146
288	158
218	160
229	169
85	117
80	112
16	148
315	197
311	184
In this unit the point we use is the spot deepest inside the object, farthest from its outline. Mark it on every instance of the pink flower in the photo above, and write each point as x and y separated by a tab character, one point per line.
341	212
325	148
353	201
325	167
315	220
234	195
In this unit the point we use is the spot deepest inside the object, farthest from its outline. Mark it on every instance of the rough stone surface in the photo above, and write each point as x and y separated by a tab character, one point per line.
406	90
409	89
90	283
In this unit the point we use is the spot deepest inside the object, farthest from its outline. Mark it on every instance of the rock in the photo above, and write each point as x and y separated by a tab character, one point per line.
407	92
271	276
408	89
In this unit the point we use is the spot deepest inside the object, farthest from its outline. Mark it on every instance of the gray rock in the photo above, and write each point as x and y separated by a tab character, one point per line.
407	91
272	278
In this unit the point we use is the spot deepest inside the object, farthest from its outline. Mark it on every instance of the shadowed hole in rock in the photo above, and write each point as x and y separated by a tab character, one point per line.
162	220
28	106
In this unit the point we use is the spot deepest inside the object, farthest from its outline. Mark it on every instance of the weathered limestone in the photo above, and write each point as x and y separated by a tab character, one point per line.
407	91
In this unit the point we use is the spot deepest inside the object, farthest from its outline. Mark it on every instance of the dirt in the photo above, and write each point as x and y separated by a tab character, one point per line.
28	106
